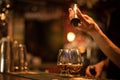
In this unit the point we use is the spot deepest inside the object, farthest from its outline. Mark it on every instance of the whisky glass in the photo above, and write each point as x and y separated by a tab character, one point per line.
75	64
63	61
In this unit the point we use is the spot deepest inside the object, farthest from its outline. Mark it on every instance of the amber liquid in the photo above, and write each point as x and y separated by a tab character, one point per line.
62	67
63	70
74	69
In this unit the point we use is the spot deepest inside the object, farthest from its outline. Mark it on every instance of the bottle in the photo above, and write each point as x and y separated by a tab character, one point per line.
23	65
75	21
92	70
5	55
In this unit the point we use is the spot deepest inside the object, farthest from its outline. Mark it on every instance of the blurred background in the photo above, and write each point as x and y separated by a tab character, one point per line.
44	27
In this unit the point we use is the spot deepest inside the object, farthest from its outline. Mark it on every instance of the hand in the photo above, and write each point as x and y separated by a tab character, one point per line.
98	69
87	23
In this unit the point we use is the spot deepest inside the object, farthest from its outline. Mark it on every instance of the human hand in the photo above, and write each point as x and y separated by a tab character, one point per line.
96	73
98	69
87	23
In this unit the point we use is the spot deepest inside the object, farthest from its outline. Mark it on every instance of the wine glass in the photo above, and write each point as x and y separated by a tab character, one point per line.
63	61
75	64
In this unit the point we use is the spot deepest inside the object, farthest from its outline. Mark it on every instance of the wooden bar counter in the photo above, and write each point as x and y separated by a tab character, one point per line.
36	76
29	75
4	76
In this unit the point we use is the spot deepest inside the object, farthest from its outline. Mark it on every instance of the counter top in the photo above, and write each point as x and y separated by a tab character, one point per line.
37	76
4	76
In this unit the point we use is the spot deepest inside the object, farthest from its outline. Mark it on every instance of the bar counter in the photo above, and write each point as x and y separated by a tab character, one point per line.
6	76
37	76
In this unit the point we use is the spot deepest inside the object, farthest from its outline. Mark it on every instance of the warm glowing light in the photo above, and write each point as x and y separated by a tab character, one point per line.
8	5
71	36
82	49
3	16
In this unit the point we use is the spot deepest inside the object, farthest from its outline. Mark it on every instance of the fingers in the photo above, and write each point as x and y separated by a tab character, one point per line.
97	75
81	16
71	13
88	72
85	20
70	9
79	13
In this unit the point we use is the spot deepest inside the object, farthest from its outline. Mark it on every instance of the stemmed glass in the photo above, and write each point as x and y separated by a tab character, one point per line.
63	61
75	62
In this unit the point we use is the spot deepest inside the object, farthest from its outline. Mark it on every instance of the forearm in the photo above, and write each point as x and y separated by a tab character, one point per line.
106	45
103	42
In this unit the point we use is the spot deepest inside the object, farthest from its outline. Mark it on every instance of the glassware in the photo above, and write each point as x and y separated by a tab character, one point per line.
5	55
15	56
23	65
19	57
75	62
63	61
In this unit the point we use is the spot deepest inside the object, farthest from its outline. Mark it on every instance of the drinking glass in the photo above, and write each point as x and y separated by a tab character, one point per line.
75	64
63	61
23	64
19	61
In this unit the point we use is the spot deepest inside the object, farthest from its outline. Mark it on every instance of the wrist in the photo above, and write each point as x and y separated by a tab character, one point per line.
102	64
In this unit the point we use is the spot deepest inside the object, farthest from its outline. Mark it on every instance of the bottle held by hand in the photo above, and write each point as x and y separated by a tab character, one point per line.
75	21
92	70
